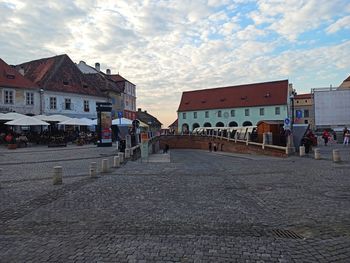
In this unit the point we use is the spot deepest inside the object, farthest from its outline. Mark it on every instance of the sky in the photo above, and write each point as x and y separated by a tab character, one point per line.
166	47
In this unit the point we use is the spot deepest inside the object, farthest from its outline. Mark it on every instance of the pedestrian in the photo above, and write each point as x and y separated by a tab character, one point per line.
325	137
210	146
346	138
215	147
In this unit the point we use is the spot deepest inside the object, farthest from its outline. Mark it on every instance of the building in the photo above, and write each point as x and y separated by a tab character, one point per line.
242	105
345	84
304	109
113	90
153	123
129	96
63	88
16	92
332	107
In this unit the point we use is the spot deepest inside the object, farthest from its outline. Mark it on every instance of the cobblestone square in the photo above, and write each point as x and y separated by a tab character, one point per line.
195	207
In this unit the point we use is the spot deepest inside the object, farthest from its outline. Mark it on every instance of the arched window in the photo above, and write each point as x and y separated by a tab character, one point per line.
195	125
185	128
233	124
247	123
219	113
220	124
207	124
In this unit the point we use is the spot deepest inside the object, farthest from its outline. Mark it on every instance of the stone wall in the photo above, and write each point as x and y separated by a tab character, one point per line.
202	142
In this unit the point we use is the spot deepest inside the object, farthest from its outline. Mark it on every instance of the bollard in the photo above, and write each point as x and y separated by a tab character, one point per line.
317	154
93	169
127	153
302	151
336	156
121	156
116	161
57	175
131	152
104	166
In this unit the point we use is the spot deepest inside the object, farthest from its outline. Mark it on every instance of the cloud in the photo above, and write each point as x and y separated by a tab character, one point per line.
342	23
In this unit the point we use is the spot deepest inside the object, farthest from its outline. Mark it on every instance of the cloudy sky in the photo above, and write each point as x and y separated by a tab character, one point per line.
166	47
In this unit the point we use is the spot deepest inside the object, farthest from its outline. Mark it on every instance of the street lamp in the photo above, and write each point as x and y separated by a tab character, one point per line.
290	142
41	100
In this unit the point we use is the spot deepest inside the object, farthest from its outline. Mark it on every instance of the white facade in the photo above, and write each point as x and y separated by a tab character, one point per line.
70	104
332	107
25	101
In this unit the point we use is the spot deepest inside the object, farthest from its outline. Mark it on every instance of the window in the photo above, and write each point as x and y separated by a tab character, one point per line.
67	104
219	113
184	115
277	111
246	112
232	113
86	106
53	103
29	98
195	115
306	114
262	111
207	114
8	98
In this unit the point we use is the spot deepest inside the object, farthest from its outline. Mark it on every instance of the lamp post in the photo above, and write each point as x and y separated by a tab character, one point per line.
290	141
41	100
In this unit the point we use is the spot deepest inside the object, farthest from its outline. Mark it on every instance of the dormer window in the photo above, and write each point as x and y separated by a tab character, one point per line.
10	76
222	100
65	82
187	102
244	98
267	95
85	86
204	101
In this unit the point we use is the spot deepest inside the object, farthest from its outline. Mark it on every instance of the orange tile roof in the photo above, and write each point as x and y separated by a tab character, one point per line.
10	77
59	73
303	96
248	95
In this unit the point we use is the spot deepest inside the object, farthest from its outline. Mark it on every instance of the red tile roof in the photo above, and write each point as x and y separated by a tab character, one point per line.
303	96
10	77
249	95
117	77
59	73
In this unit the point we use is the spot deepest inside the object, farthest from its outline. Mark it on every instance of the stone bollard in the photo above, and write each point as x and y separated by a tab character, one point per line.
116	161
57	175
121	156
336	156
104	166
93	169
302	151
317	154
127	153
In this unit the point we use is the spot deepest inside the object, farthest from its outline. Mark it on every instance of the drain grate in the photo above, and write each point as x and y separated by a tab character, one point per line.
282	233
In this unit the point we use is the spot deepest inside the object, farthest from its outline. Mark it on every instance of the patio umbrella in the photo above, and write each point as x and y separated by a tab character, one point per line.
122	122
53	118
11	116
89	122
74	121
27	121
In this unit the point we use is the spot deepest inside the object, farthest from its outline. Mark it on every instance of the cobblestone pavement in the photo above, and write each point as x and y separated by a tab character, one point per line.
199	207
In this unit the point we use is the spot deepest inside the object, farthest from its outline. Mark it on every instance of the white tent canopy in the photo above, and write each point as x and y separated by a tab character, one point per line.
74	121
53	118
88	122
11	116
122	122
27	121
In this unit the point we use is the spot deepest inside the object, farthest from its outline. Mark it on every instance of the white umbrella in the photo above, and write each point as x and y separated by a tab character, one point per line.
11	116
88	121
53	118
27	121
122	122
74	121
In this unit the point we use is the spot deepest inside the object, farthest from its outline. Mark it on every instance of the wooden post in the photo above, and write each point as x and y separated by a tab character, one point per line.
336	156
317	154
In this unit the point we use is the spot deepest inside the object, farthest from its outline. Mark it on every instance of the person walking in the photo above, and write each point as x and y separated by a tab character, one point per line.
346	138
210	147
325	136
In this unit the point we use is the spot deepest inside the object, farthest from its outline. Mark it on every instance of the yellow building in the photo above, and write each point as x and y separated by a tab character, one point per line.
304	109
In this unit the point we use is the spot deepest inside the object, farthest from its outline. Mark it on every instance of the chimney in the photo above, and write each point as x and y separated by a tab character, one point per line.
139	109
108	71
97	66
82	62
